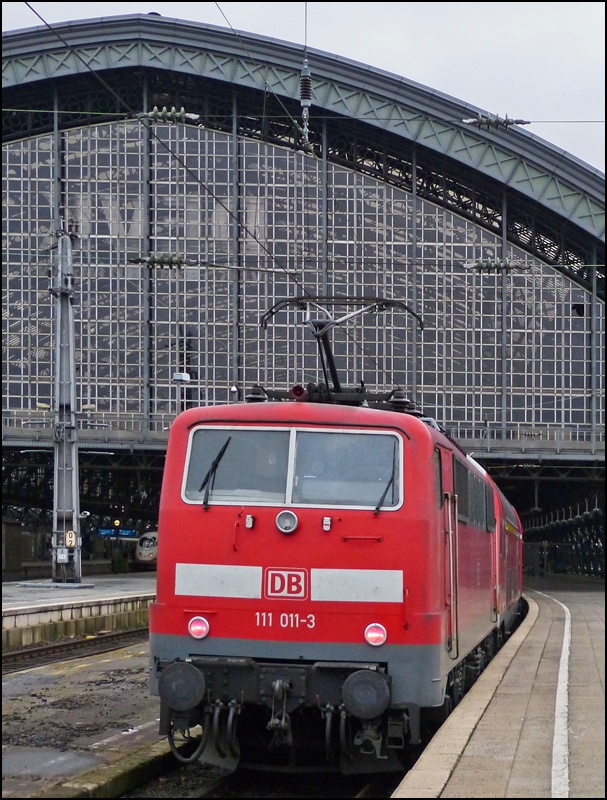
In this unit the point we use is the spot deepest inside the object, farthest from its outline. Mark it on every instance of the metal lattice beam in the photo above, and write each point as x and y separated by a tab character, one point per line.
514	158
128	481
386	157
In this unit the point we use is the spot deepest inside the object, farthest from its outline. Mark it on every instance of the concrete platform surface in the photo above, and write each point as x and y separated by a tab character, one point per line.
25	594
532	726
82	723
534	723
35	612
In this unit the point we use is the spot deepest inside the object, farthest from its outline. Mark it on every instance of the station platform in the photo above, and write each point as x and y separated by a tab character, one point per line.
40	610
42	591
533	725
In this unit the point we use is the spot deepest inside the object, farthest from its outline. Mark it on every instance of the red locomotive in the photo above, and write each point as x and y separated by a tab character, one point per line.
331	566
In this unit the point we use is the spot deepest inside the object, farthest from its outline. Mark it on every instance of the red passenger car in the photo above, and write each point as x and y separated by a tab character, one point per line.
326	573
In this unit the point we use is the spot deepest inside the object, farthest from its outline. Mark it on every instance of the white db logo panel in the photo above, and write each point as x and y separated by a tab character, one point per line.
290	584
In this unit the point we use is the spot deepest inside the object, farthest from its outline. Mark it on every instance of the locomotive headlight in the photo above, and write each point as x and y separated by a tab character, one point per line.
375	634
198	627
181	686
287	522
366	694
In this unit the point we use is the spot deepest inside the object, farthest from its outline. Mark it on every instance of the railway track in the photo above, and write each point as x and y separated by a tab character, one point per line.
246	784
13	661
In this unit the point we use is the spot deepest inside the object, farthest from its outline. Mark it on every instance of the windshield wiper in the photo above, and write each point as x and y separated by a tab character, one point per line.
206	481
389	484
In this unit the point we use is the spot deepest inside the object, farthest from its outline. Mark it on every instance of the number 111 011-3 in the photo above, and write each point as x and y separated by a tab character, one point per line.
267	619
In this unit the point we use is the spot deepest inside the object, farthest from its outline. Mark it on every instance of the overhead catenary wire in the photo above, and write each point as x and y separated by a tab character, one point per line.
306	97
266	86
349	117
344	261
186	168
206	188
177	158
271	256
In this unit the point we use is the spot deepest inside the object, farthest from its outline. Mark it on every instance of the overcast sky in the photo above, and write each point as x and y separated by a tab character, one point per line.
543	62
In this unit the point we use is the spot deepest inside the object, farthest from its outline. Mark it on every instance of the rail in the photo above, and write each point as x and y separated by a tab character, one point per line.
39	655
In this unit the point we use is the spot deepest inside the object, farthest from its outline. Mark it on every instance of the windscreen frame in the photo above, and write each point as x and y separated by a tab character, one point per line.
292	452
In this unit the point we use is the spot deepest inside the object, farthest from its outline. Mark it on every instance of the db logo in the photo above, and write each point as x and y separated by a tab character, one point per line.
289	583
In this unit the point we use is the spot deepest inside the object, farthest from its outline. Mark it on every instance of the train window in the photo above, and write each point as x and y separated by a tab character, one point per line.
490	508
438	479
474	497
238	465
302	467
148	542
477	501
346	469
460	479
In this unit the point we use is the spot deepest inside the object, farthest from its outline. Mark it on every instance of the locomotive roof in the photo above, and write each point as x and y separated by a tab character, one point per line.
323	414
303	413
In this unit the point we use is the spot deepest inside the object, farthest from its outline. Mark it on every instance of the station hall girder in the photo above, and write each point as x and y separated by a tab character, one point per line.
505	179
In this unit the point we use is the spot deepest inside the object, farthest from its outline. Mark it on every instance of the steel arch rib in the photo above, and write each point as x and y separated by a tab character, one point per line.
516	158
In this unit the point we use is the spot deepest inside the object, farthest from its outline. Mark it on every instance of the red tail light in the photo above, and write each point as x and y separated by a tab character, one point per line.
375	634
198	627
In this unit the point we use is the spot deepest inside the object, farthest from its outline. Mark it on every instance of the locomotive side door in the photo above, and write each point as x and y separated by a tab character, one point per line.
448	500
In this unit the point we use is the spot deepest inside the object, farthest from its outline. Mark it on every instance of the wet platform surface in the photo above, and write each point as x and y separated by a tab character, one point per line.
78	721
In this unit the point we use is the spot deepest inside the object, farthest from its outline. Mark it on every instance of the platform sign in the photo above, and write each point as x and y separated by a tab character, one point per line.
128	533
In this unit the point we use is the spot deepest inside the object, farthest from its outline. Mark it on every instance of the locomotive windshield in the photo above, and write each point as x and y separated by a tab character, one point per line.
297	467
252	468
351	469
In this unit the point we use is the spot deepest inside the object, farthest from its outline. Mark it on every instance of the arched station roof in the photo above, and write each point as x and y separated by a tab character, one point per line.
555	201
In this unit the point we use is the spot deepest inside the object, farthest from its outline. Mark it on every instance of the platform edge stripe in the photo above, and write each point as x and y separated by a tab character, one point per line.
560	740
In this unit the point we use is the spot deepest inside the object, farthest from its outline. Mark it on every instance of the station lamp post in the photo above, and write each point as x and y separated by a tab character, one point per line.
66	538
